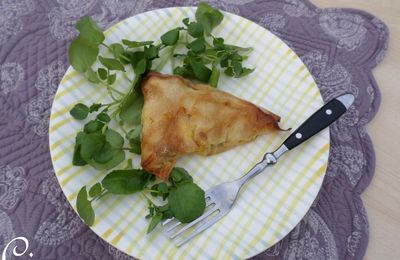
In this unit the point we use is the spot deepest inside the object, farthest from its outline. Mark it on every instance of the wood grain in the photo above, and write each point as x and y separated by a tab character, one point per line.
382	197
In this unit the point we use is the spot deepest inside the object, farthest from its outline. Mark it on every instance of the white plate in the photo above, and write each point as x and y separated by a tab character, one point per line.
268	207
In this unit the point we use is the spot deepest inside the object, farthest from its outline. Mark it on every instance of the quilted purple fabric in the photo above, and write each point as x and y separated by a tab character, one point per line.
339	46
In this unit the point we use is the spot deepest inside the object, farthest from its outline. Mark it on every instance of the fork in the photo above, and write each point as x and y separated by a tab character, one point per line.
221	198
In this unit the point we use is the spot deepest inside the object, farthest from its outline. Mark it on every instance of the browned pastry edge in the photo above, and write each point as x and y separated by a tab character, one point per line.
161	164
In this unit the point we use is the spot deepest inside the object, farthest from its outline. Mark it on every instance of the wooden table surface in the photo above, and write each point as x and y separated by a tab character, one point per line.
382	197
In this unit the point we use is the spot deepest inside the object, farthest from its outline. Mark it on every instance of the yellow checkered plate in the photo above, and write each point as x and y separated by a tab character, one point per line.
268	207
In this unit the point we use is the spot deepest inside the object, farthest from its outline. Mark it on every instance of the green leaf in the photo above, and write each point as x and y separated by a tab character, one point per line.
82	54
166	211
111	79
125	181
79	111
105	154
171	37
184	71
214	76
116	49
155	220
211	55
102	73
208	17
236	57
80	136
84	207
245	72
154	193
125	57
135	146
104	117
195	30
187	202
77	160
180	175
134	140
89	30
219	43
134	44
167	214
93	126
135	57
94	107
225	63
201	72
92	76
84	49
185	21
90	144
111	64
134	133
140	67
229	72
131	106
151	52
197	45
162	188
114	138
151	211
237	68
95	190
118	157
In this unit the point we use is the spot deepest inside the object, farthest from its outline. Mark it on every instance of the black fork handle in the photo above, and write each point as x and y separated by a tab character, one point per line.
322	118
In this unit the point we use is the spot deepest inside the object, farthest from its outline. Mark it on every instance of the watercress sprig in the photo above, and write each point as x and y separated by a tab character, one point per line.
204	57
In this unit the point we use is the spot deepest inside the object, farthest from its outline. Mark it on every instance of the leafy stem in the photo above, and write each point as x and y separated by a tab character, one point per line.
150	190
208	44
120	55
127	78
111	94
103	148
160	46
105	45
164	60
117	91
115	111
110	91
103	194
109	104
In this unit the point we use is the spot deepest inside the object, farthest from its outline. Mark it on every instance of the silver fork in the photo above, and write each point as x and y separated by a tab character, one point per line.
221	198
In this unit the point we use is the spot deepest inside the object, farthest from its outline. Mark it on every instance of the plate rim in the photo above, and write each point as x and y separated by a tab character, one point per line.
108	31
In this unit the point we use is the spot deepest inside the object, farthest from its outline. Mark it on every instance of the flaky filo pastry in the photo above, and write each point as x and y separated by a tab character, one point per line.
180	117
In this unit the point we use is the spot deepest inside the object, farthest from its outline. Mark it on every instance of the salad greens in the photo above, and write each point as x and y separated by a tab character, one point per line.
204	57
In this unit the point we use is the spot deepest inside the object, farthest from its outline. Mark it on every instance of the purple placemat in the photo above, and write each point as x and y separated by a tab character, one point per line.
339	46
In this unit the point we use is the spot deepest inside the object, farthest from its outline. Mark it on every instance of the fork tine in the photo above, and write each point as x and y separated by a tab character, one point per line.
201	228
173	226
165	222
194	222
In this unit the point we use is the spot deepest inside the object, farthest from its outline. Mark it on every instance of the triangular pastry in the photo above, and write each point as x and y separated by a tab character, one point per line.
180	117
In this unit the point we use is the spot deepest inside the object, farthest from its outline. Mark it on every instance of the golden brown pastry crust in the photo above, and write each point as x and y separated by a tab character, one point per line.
180	117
